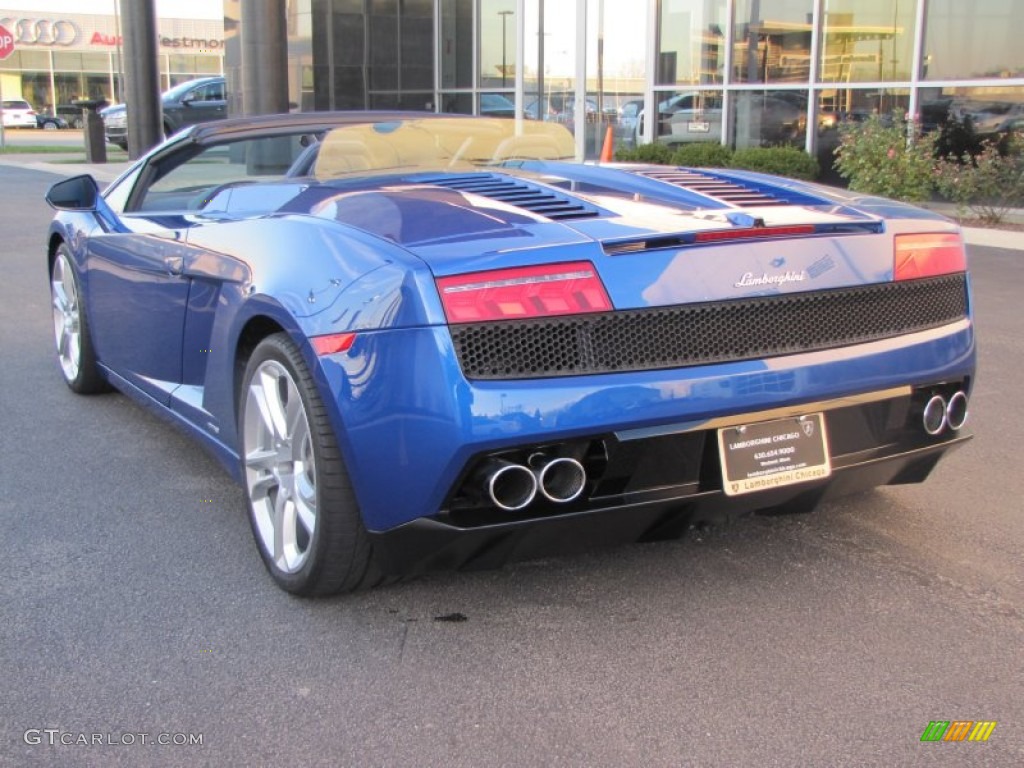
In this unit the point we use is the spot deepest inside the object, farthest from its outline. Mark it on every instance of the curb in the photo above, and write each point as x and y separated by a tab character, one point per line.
994	238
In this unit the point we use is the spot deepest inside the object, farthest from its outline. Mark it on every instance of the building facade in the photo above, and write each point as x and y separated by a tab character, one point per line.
740	72
59	56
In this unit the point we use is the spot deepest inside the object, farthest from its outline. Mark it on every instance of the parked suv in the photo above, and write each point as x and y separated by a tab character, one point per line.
18	114
195	101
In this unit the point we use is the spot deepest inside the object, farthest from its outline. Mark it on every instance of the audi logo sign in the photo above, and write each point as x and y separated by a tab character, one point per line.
42	31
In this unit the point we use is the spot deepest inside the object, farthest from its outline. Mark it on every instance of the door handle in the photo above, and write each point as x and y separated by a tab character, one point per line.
175	265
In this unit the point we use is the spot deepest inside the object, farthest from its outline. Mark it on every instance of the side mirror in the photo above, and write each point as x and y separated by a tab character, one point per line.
79	193
189	98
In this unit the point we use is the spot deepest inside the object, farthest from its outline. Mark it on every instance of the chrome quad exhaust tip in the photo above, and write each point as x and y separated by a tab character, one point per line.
510	486
956	411
933	417
560	479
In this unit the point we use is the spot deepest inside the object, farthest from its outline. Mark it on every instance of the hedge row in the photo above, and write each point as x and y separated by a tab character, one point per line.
782	161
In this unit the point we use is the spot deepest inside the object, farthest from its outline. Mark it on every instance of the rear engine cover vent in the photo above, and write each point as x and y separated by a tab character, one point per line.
715	186
535	199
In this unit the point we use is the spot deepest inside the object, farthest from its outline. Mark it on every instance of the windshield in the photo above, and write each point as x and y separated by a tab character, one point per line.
437	144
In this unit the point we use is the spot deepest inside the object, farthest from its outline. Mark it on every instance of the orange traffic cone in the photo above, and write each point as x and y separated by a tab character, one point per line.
606	150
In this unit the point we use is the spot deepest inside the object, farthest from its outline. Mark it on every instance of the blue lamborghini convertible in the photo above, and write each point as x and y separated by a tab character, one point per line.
432	341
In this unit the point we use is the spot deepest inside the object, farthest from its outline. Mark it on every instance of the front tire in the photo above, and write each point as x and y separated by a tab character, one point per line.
75	352
302	509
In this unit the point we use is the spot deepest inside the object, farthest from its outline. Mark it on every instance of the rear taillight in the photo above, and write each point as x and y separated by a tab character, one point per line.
513	294
927	255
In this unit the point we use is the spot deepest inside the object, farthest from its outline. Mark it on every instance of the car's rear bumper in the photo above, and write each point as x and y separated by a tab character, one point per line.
411	442
430	544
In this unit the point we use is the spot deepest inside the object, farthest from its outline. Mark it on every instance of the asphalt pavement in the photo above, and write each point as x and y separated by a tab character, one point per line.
135	603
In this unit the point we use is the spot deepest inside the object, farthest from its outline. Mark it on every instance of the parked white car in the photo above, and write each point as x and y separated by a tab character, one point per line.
18	114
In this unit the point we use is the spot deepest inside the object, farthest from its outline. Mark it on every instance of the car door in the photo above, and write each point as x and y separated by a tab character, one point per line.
137	296
138	286
204	103
152	296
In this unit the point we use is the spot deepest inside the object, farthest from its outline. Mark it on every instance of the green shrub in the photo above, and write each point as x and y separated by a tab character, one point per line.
659	154
704	154
781	161
988	184
887	157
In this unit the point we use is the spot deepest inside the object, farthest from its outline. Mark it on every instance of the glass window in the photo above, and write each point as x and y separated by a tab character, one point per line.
192	64
181	63
688	116
973	39
497	43
845	104
457	103
691	41
35	88
549	66
81	61
416	101
867	40
616	73
772	41
417	46
69	87
203	181
211	92
456	43
26	60
840	106
98	87
348	88
95	62
71	62
768	118
989	112
117	195
496	105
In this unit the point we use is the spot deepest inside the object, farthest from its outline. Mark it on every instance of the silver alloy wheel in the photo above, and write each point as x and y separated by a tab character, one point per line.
67	321
280	468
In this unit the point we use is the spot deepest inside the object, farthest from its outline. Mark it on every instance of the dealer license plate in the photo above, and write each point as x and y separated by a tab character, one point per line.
771	454
698	126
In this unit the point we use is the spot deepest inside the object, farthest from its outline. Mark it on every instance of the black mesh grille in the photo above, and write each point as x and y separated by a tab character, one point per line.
698	334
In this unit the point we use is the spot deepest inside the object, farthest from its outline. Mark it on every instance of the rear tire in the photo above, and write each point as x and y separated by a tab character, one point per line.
75	352
302	509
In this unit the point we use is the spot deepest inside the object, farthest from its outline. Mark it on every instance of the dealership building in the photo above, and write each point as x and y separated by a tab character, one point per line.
60	56
740	72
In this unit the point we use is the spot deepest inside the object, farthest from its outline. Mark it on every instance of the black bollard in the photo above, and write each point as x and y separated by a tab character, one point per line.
95	135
